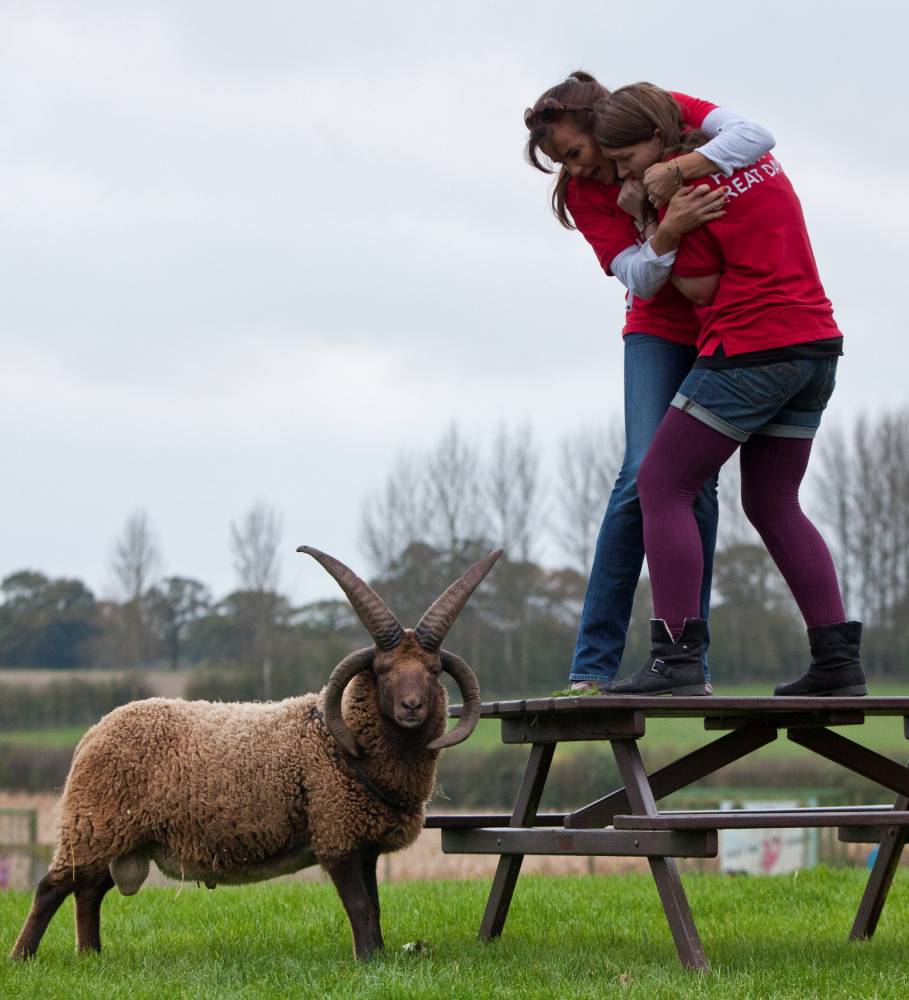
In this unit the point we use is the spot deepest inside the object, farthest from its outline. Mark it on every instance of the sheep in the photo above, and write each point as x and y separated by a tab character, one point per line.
236	793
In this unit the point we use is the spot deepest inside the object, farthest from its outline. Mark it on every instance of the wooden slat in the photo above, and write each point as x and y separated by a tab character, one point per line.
554	728
584	843
753	819
470	820
715	705
861	834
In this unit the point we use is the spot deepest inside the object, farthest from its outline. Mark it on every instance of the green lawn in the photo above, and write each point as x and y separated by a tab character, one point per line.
570	937
60	738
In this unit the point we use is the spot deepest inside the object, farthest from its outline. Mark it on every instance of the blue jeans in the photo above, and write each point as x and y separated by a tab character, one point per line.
654	370
781	399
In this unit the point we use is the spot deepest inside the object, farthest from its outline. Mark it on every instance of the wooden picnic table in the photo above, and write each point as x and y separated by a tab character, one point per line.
627	823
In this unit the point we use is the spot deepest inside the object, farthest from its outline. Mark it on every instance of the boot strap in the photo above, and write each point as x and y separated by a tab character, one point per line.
661	667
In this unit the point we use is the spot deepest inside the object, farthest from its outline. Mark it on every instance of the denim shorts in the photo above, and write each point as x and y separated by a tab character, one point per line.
782	399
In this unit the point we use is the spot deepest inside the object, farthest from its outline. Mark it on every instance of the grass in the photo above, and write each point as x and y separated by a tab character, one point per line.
573	937
60	738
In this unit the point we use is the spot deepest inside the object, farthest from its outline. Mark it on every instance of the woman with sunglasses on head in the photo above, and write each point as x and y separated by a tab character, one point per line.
767	357
620	223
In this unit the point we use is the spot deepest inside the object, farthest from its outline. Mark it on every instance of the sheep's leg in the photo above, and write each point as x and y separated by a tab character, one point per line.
51	891
88	911
350	881
370	862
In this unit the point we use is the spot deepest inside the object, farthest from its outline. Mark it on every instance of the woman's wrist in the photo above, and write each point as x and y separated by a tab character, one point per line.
665	238
693	165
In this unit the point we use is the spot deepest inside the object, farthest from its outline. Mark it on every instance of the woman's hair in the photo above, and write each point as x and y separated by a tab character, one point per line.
633	114
570	102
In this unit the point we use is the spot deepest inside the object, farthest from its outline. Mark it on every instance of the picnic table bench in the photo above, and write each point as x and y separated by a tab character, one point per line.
627	823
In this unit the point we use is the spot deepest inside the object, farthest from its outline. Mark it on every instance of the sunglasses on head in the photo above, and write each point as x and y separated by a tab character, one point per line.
548	112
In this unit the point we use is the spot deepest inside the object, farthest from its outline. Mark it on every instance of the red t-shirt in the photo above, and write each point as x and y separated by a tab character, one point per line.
609	230
770	294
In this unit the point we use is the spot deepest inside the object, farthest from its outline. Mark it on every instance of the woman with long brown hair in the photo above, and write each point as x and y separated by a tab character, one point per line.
766	367
620	223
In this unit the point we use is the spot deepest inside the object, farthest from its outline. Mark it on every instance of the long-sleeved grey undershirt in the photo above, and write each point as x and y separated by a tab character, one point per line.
734	142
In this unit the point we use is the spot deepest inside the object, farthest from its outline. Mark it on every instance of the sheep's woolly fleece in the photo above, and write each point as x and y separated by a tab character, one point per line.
241	792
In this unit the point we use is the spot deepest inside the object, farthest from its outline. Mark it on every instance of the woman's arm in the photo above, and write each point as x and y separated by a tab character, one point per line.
734	142
643	270
700	290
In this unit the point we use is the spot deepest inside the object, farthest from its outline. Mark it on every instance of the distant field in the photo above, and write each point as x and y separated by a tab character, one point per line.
664	738
167	683
55	739
585	937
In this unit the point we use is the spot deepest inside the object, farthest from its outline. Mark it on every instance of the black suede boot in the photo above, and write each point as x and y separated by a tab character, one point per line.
673	667
836	668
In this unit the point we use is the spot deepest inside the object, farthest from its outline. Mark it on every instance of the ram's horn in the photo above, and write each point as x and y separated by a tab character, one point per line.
381	624
352	664
435	623
467	681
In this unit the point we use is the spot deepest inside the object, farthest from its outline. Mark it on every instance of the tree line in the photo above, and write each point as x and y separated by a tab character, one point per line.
436	513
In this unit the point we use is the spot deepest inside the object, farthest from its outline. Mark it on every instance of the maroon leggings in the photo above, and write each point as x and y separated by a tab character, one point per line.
685	452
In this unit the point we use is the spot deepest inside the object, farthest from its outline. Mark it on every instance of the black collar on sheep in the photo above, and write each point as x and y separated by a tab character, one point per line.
393	643
380	794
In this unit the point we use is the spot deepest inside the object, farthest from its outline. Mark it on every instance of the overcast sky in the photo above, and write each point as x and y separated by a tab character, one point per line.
252	251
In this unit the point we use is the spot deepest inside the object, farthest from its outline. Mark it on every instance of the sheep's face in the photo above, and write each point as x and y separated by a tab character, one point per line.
408	682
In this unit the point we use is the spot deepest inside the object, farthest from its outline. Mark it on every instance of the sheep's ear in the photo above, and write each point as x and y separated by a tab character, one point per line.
438	619
467	681
352	664
380	622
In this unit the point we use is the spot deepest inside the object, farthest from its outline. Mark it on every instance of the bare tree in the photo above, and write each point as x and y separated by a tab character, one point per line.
734	528
455	495
255	541
135	558
589	461
861	488
514	492
397	517
831	495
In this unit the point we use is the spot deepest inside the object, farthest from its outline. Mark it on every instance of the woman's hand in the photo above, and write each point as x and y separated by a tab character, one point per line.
632	197
691	207
661	182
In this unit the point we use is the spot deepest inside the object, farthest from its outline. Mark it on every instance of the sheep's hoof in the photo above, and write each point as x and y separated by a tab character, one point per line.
129	872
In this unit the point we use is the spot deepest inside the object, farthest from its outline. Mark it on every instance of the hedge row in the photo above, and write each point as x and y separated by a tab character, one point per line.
65	702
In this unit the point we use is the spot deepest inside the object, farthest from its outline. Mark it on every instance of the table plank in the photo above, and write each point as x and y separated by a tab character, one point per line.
583	843
760	819
715	705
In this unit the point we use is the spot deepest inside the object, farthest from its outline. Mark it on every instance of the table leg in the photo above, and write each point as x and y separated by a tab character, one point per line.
885	865
680	773
523	814
664	870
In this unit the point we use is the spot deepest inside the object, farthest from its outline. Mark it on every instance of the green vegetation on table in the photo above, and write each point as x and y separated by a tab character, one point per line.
781	937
